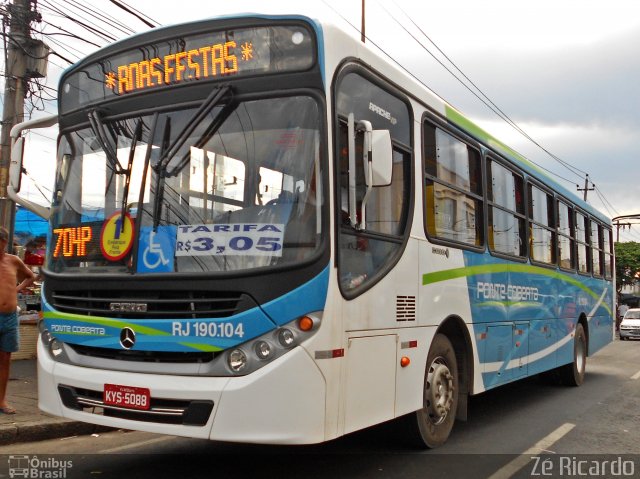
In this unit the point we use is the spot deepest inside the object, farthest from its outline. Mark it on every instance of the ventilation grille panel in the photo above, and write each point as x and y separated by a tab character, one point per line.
405	308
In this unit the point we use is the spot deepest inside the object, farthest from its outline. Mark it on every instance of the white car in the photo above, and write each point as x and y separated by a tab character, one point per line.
630	325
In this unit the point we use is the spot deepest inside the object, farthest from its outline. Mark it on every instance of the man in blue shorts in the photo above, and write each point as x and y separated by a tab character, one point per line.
14	277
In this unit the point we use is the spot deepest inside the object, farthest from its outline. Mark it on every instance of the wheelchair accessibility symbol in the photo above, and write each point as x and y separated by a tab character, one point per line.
156	249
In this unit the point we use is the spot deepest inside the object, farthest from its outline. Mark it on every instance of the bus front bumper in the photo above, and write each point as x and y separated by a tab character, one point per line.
281	403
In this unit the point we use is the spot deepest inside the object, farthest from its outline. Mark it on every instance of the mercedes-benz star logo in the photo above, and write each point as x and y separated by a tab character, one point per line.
127	338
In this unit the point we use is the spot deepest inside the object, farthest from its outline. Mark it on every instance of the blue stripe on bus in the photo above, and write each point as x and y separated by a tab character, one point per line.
188	335
310	297
524	320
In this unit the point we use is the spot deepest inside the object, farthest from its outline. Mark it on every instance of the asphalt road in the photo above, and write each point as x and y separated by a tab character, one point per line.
573	429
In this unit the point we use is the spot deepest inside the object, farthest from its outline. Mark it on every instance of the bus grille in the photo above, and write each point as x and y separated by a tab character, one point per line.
151	304
144	356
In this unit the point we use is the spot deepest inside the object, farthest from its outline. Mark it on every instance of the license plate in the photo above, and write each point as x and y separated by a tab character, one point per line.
127	397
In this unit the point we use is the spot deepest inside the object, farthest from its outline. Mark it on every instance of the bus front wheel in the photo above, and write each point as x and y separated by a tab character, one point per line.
434	422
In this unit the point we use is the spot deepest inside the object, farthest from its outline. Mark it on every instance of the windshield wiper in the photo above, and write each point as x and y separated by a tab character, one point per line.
98	129
211	101
159	191
172	149
137	135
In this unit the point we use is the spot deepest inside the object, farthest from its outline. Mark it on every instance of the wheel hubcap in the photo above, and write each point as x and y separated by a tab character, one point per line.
439	393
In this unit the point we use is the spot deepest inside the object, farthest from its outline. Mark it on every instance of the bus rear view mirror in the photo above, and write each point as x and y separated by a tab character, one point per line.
381	158
17	156
15	169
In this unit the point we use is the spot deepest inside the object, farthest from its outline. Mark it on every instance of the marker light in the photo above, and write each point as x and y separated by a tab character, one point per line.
237	360
55	347
297	38
405	361
263	350
305	323
286	338
46	337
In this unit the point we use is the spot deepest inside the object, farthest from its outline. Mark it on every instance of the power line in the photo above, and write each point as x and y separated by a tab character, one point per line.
491	105
102	16
62	46
419	80
485	99
140	16
66	47
604	200
85	24
32	132
66	33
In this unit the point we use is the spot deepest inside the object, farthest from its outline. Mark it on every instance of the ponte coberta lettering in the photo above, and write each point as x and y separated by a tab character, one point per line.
506	292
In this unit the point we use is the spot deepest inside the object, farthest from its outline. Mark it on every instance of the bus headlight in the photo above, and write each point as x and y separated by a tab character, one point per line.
258	352
263	350
237	360
286	337
46	338
55	347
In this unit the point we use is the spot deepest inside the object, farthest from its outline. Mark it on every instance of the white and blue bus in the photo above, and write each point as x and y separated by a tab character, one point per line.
262	231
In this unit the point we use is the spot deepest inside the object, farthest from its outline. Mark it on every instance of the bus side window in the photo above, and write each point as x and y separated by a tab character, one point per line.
366	251
505	191
582	240
542	226
566	237
597	253
608	253
453	188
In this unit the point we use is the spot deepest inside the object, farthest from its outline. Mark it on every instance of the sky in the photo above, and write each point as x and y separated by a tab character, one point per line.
565	71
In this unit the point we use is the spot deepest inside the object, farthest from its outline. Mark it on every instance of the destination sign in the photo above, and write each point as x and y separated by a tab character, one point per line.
188	58
214	60
110	239
77	241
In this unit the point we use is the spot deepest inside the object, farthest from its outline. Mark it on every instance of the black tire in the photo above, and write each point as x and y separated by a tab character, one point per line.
572	374
430	426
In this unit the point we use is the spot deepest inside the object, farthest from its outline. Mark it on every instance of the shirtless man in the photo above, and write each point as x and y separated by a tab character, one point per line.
12	271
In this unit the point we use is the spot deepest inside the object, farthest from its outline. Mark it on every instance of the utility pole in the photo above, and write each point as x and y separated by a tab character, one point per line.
19	47
617	221
618	225
586	188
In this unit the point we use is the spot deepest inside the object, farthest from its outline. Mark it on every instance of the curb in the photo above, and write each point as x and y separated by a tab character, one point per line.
31	431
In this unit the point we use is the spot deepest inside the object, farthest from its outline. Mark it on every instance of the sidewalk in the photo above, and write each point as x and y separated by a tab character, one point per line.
29	423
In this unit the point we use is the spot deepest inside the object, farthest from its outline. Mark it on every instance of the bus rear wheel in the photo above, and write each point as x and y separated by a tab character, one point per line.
572	374
434	422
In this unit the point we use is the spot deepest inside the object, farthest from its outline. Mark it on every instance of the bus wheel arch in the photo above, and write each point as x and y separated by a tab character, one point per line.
446	385
456	330
585	325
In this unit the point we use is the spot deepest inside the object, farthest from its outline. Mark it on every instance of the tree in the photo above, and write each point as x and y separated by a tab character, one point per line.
627	264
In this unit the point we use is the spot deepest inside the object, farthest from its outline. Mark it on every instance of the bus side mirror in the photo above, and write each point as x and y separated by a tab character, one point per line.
15	168
381	158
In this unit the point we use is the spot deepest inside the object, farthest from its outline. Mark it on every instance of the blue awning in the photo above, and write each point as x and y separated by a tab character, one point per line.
29	225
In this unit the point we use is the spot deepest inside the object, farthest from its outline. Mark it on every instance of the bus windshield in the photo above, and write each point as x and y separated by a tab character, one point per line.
230	188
